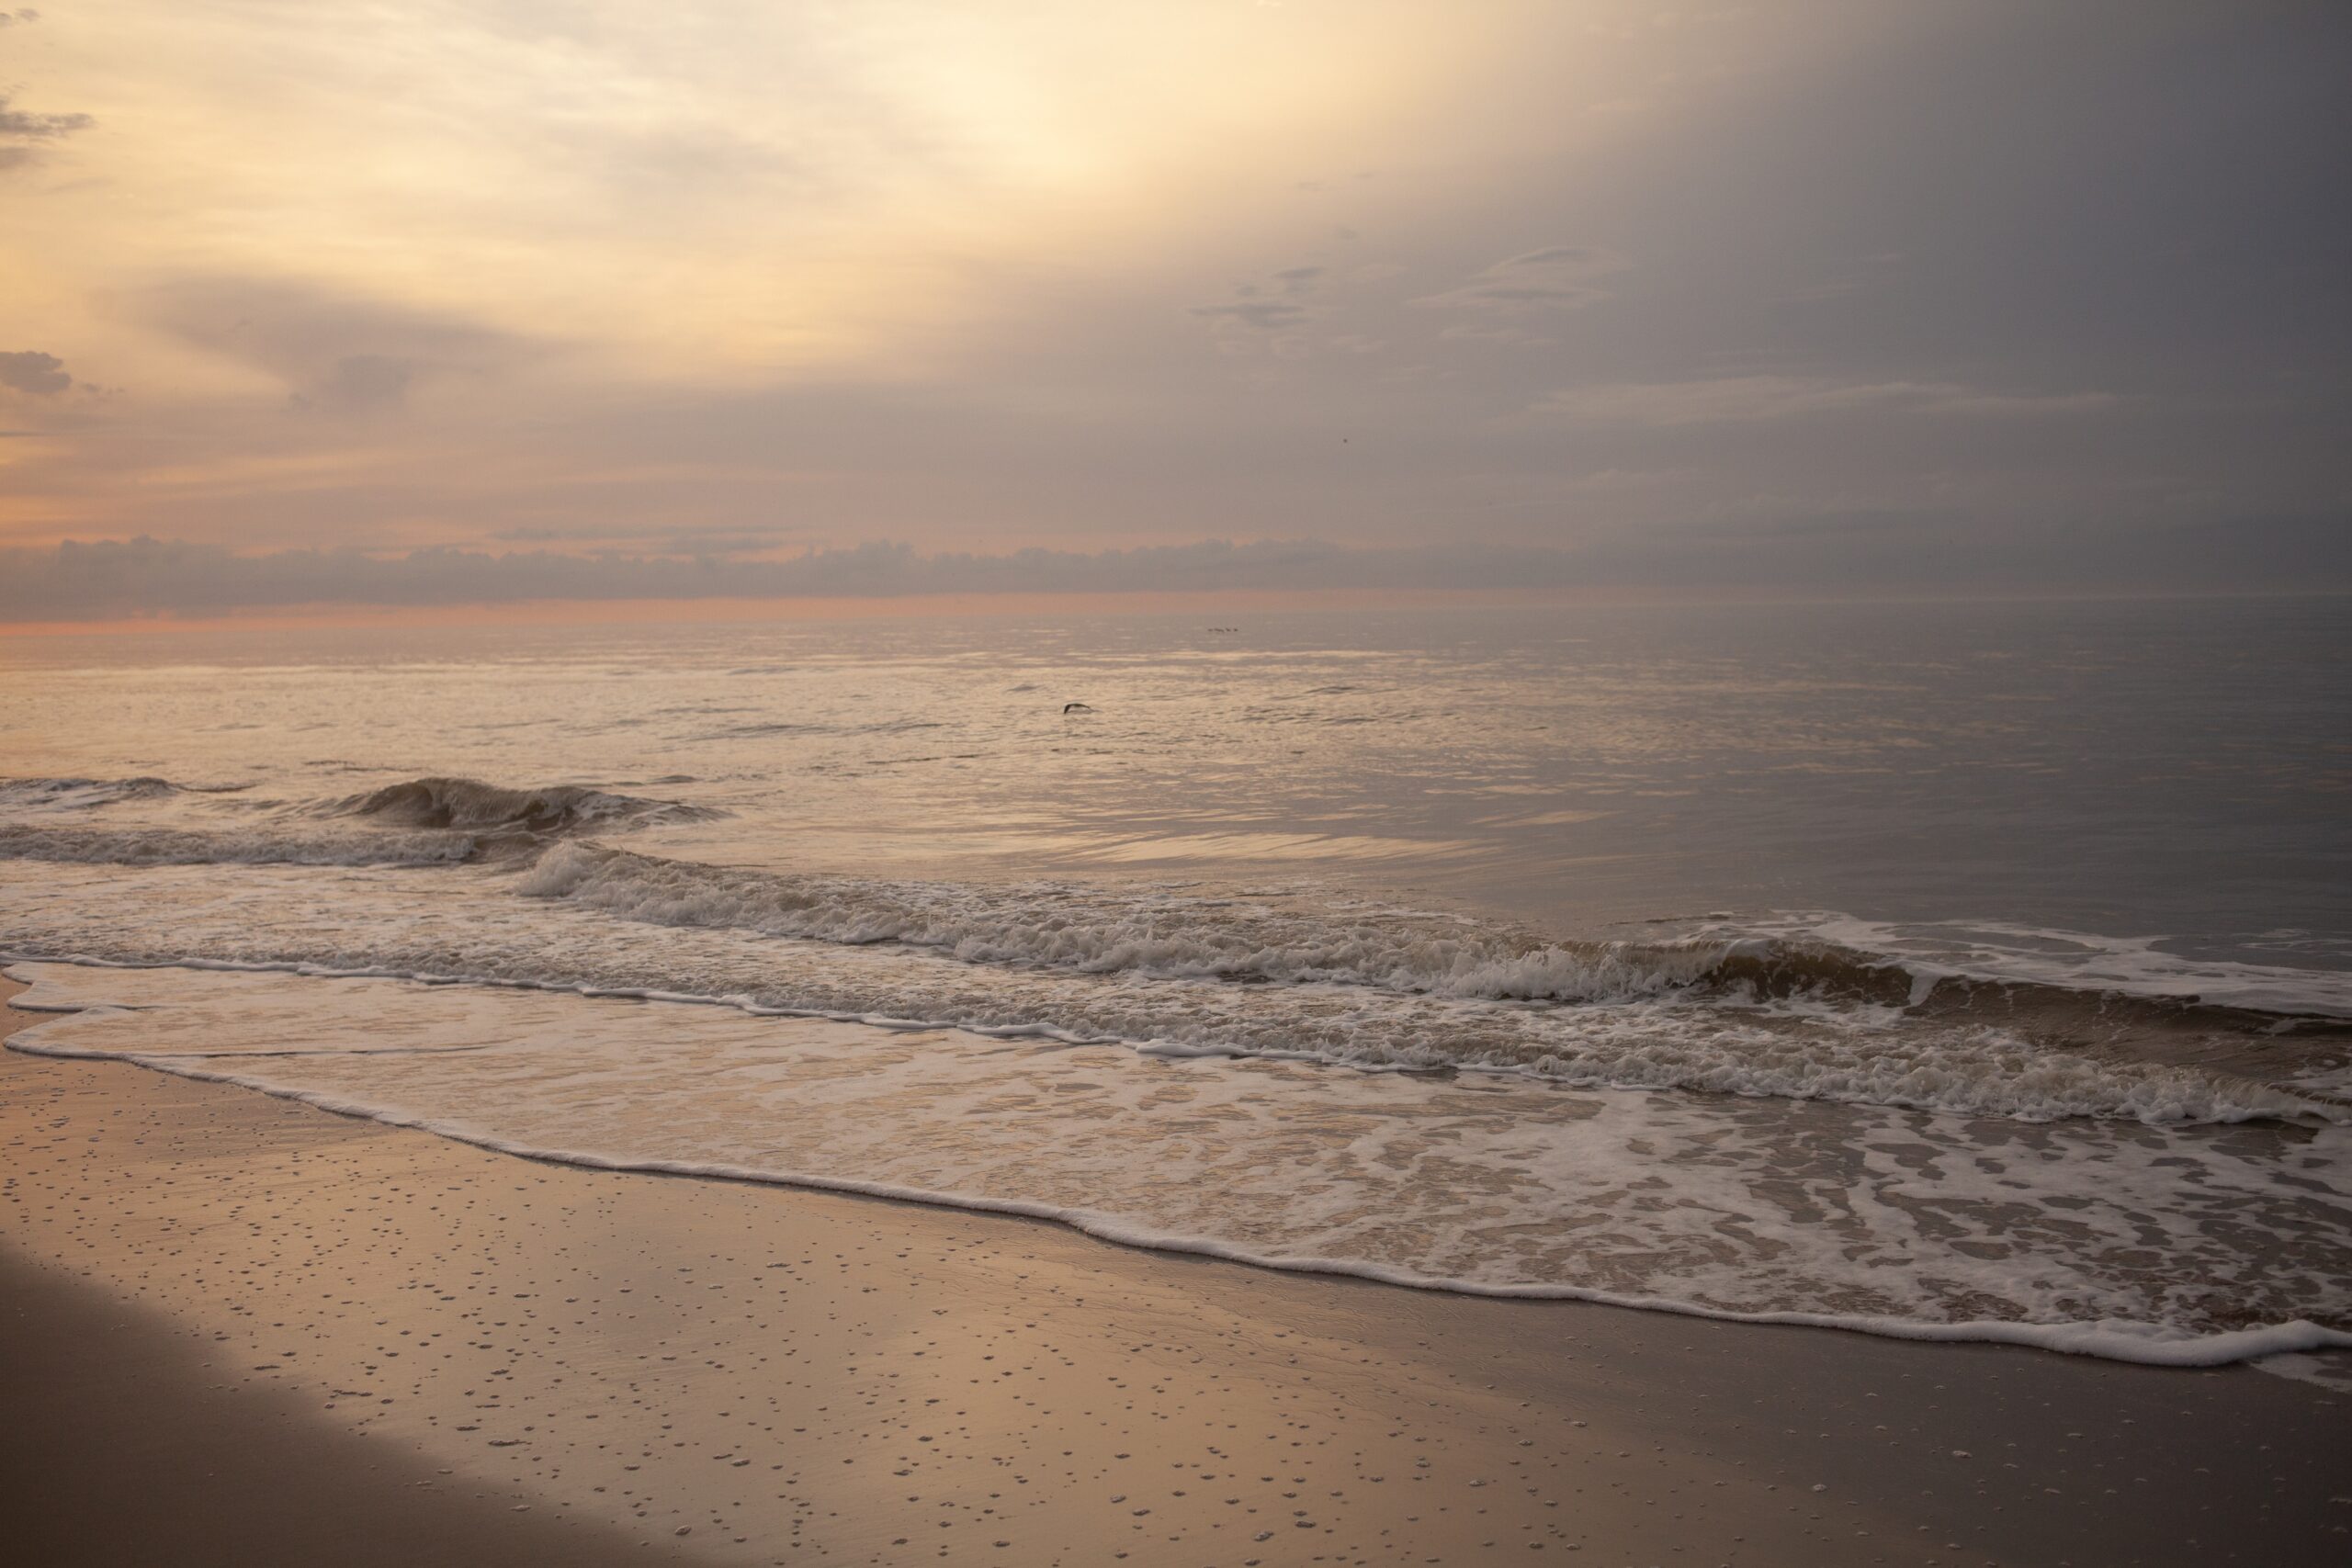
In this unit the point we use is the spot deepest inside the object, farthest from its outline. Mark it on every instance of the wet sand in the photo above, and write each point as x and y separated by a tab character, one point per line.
240	1327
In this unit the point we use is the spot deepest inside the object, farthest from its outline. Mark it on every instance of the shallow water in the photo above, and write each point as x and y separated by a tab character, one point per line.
1936	969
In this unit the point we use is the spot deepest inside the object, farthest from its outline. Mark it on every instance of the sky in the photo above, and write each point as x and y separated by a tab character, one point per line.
389	301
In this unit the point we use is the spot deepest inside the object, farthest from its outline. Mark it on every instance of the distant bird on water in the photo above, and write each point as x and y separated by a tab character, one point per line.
1076	707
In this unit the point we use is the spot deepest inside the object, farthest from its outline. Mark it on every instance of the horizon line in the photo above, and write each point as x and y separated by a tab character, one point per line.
337	615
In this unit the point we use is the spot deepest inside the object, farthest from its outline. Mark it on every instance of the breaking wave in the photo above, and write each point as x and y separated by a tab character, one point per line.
469	926
471	805
1094	930
419	821
79	793
1106	930
1754	1011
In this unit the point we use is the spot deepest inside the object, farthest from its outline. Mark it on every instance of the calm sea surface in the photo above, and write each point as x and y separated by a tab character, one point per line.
1970	970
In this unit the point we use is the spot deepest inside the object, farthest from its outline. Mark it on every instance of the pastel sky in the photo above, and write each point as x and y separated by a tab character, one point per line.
1871	286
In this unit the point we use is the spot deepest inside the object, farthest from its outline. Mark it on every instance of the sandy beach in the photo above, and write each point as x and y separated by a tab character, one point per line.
243	1328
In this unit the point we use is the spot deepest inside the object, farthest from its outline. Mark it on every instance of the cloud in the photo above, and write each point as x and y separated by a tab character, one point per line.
24	135
335	353
1558	277
41	374
658	540
1487	330
1264	314
361	381
148	576
1734	400
890	273
1813	554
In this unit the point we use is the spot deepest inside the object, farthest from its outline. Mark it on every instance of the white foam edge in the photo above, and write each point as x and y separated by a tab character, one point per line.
1167	1049
2141	1344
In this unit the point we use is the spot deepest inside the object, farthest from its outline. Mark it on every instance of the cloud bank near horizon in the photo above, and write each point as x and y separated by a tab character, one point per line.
145	577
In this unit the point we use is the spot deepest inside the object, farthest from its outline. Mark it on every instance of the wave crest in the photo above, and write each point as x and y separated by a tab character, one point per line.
1094	930
83	793
177	846
471	806
424	821
1877	1029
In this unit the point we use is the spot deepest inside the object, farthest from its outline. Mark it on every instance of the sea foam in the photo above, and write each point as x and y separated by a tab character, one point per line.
2174	1250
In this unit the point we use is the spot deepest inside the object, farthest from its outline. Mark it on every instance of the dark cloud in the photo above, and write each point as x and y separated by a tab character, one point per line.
25	135
2129	194
29	370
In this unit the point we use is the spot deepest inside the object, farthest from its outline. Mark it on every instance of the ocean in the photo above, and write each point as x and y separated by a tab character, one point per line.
1947	970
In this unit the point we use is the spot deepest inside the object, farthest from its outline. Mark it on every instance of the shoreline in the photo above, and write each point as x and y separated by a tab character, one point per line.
2123	1341
2234	1347
635	1351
